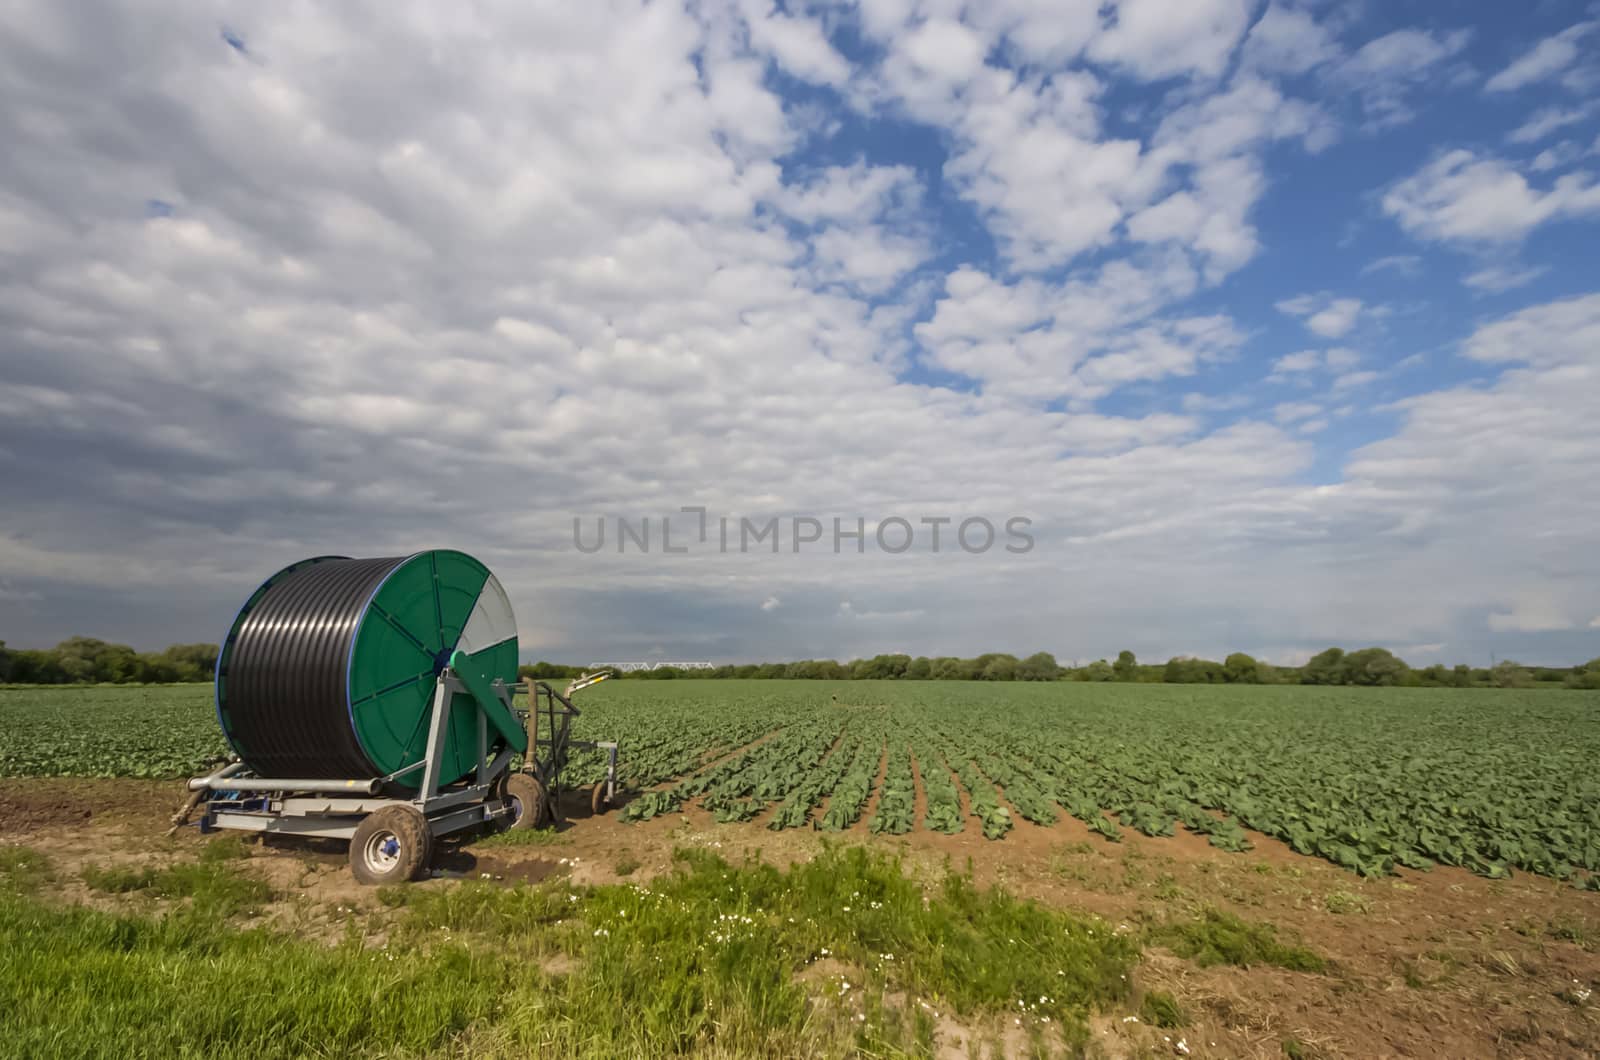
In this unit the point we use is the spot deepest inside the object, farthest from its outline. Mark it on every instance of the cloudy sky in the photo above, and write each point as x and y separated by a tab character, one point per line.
1280	322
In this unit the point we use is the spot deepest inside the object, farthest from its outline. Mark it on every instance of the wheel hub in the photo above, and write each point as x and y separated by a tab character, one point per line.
383	850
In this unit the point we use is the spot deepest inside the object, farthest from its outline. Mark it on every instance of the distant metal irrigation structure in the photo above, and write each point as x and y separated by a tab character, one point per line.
635	667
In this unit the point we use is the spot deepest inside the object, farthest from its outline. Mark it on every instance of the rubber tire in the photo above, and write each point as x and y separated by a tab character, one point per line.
527	791
408	828
598	804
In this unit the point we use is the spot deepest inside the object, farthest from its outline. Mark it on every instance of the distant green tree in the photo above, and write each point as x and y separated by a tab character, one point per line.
194	662
1325	668
5	663
1040	666
1187	670
1586	677
1374	666
1000	668
949	668
921	669
1099	670
1241	669
1126	668
1509	674
1461	676
880	667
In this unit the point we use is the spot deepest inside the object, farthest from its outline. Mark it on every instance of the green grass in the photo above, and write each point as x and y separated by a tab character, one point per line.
1160	1009
189	985
23	870
212	885
522	837
712	959
1342	902
1216	937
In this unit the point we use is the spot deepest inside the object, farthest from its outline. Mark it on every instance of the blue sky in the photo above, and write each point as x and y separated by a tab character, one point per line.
1279	321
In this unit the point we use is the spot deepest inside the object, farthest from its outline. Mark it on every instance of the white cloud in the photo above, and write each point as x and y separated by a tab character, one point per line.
943	50
1032	155
1500	278
1336	319
1350	380
1404	264
1296	363
1341	357
1557	156
1293	411
1459	196
855	193
1080	338
1324	314
1156	39
1550	56
578	254
1564	333
1214	402
847	610
1535	617
871	258
771	603
1039	31
1385	72
1289	41
1546	121
797	44
1300	365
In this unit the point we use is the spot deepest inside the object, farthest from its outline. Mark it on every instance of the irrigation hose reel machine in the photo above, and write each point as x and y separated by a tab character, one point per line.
373	700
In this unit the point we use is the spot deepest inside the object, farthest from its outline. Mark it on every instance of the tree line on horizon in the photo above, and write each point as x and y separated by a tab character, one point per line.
87	660
1375	667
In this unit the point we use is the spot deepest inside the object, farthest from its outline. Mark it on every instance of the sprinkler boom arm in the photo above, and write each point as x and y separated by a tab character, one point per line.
501	719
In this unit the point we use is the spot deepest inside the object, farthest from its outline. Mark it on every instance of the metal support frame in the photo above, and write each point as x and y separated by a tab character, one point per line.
233	798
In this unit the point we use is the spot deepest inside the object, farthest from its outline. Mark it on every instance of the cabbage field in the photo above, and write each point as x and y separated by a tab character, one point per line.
1367	778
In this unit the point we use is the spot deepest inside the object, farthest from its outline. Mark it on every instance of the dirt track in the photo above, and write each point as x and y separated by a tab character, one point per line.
1425	964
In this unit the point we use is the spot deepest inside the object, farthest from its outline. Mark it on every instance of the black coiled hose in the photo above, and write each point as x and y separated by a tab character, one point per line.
284	699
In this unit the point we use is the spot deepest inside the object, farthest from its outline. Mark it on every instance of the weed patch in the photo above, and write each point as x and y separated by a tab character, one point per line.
212	885
1222	938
